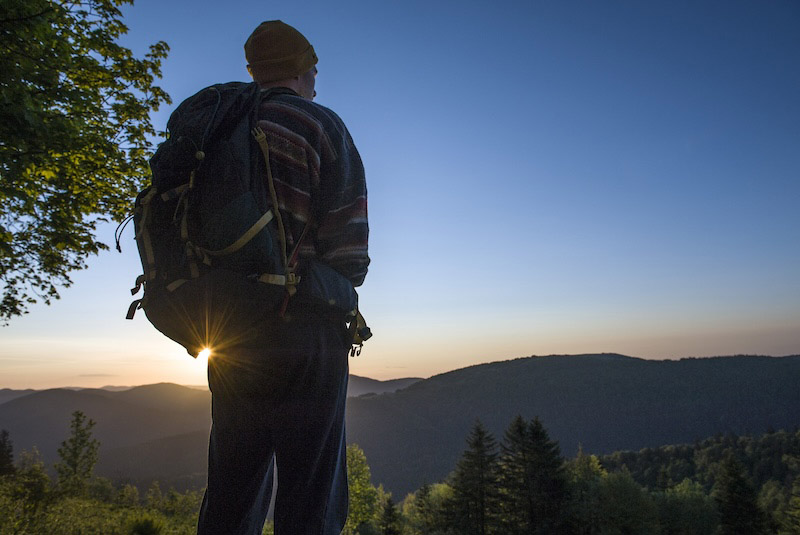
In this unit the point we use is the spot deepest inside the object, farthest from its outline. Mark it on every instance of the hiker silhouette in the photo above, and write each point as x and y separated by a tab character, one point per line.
279	389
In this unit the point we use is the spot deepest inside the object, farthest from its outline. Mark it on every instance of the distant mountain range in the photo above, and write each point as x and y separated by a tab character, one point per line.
361	386
357	386
152	432
413	431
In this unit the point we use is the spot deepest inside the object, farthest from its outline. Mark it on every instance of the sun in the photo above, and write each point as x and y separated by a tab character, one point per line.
204	354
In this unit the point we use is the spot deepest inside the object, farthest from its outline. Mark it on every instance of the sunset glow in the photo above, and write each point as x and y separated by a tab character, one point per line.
544	178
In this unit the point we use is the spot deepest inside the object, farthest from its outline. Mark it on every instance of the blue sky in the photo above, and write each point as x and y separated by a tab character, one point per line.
544	177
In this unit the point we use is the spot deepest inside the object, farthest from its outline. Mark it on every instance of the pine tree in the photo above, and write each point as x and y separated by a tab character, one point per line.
475	485
737	502
6	454
533	485
78	456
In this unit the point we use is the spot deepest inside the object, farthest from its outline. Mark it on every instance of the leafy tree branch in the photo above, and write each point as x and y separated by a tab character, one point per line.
75	138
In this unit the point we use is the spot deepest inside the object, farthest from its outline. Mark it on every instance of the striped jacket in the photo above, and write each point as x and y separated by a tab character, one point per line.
318	176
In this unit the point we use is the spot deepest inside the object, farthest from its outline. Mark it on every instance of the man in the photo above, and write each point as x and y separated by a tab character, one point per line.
283	393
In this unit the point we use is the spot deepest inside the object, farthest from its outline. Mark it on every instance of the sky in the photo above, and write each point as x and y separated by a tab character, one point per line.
545	177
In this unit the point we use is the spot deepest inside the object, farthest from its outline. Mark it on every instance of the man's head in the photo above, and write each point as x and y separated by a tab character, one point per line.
277	54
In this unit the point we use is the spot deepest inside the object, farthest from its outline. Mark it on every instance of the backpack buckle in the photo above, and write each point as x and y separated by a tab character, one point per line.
292	280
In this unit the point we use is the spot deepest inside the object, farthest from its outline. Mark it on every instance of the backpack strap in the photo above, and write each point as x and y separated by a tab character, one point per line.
243	239
142	232
291	277
149	262
183	204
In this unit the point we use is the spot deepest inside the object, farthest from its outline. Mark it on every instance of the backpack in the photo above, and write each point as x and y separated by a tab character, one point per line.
209	234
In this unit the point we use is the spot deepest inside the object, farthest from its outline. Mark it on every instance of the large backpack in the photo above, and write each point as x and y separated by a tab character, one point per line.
209	234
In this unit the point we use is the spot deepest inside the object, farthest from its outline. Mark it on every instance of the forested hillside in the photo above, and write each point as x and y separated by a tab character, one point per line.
603	403
522	485
773	456
519	484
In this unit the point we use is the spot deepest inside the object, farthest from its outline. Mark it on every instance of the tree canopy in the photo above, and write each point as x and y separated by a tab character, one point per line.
75	136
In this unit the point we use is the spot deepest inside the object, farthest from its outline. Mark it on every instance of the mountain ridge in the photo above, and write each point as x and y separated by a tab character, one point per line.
357	386
413	435
605	402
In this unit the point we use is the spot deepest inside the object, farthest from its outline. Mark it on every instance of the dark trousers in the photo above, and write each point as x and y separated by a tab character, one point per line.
279	399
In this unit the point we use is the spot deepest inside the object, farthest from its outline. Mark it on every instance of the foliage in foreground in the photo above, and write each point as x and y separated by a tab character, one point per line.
75	136
520	485
50	513
78	502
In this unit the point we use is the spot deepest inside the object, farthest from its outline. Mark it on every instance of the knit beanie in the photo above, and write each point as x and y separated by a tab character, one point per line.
276	51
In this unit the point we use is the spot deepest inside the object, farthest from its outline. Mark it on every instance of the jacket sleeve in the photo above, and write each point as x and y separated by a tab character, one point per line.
343	230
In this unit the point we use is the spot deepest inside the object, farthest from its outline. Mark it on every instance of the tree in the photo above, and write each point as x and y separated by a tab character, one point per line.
101	489
585	475
475	485
390	519
154	498
31	487
792	523
6	454
426	511
625	507
78	456
687	510
532	481
75	136
773	499
737	501
146	524
127	496
185	505
363	495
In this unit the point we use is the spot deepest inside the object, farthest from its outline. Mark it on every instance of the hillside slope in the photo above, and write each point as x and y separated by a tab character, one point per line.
123	418
605	403
602	402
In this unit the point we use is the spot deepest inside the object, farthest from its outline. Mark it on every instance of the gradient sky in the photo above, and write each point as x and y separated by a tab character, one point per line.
544	177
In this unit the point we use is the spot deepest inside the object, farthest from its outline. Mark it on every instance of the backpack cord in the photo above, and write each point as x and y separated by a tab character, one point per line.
120	230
